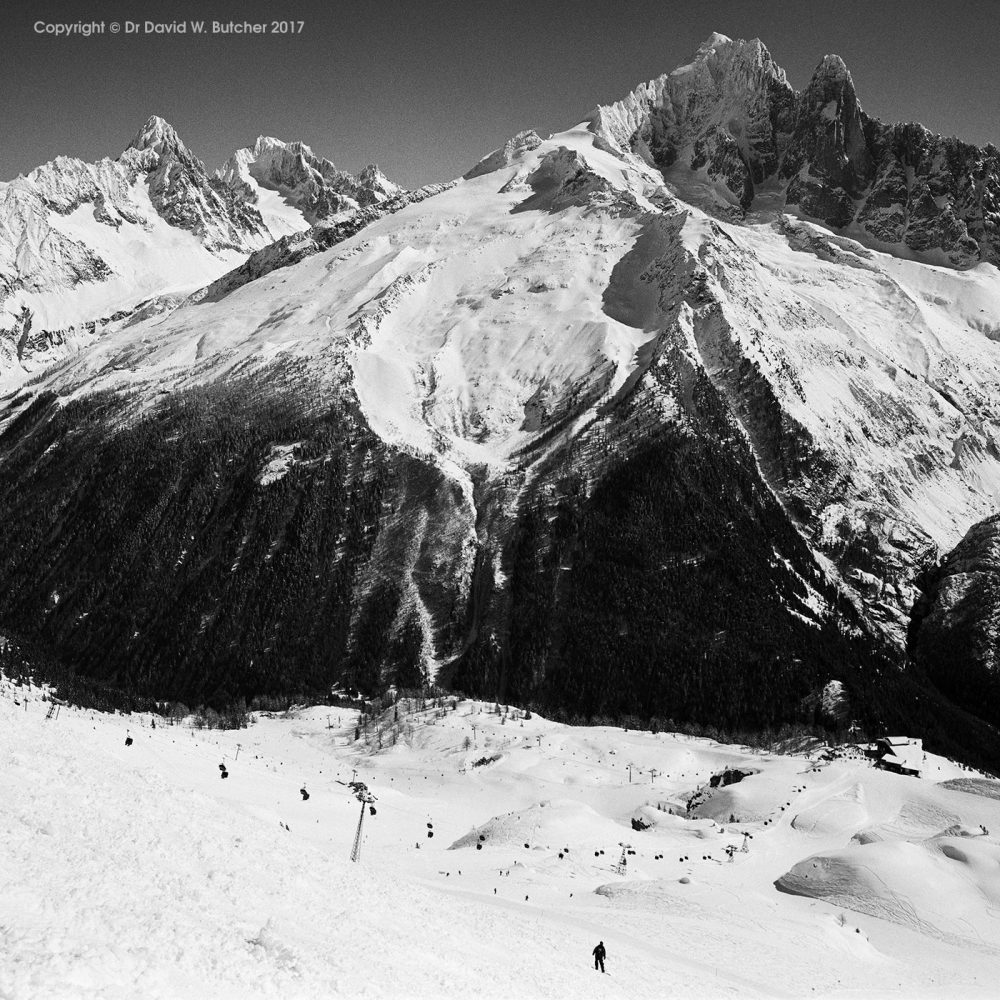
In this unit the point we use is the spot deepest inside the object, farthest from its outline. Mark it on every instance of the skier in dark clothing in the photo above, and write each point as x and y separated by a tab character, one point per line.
599	954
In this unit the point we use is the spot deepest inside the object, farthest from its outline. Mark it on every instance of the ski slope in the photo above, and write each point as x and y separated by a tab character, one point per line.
137	871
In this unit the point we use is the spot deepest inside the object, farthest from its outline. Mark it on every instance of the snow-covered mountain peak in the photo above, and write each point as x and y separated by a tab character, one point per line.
308	184
265	150
372	178
721	117
728	127
82	244
832	65
267	147
158	136
715	40
831	80
266	143
720	57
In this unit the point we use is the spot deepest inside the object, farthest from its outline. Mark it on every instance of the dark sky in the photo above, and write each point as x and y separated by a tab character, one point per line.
424	88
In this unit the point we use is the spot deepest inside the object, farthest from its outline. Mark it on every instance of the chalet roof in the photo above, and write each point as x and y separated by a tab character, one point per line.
910	757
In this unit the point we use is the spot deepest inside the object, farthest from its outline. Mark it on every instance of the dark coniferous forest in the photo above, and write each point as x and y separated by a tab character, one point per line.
148	563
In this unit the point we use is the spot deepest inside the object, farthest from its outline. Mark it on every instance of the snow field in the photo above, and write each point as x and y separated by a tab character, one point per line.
136	870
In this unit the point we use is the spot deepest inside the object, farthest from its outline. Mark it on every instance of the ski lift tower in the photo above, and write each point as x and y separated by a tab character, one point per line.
622	865
366	798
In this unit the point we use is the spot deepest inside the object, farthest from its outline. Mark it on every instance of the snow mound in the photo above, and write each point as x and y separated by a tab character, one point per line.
948	887
914	819
548	826
673	823
754	799
653	895
838	814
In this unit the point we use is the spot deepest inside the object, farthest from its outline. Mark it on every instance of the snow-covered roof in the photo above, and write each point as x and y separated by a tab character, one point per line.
909	757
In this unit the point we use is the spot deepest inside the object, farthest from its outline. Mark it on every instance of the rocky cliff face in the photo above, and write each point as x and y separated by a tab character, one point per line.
727	115
955	631
732	119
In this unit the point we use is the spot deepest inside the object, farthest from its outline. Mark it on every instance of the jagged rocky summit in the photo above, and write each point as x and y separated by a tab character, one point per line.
311	183
732	118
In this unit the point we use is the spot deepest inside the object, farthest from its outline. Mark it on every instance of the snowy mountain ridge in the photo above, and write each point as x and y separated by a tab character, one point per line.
82	242
312	184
